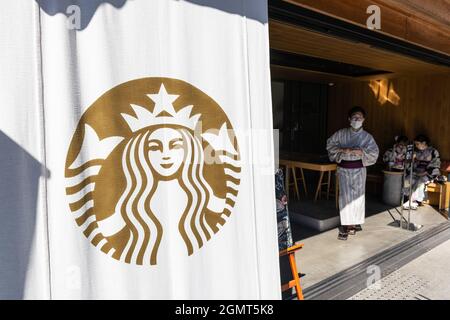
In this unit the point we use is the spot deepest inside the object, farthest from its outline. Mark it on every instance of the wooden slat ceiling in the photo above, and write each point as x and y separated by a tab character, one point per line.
293	39
421	22
436	11
287	73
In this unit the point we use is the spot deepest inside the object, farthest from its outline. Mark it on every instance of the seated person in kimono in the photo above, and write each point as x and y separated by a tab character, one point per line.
395	157
353	149
426	168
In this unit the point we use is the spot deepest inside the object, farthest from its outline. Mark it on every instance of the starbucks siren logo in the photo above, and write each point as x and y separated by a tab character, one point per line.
139	177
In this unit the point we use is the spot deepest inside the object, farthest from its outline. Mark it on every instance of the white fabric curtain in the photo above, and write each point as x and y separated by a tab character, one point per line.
84	90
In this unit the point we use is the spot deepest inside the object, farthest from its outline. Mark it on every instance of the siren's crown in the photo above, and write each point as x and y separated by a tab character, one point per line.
163	113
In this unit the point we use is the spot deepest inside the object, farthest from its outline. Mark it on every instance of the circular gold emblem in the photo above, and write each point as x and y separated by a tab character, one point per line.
152	171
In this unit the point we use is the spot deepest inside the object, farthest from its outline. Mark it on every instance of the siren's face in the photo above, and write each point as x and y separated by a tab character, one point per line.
166	151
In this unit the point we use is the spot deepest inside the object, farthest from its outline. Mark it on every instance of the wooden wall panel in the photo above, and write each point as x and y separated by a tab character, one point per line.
423	107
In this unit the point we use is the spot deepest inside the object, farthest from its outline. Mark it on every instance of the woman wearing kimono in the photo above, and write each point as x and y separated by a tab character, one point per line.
426	168
396	156
353	149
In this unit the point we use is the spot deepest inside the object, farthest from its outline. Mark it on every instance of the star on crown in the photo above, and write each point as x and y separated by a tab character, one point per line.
163	113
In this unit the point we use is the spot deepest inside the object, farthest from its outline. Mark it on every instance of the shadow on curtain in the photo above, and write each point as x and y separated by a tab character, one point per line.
19	177
236	7
89	7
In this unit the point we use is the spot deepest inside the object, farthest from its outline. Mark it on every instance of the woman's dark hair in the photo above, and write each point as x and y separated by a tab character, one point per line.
401	139
422	138
356	109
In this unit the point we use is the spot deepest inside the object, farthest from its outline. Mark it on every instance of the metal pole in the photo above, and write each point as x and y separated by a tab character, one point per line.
409	159
403	188
410	187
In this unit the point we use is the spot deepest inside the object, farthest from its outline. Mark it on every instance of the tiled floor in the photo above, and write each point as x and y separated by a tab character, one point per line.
323	255
425	278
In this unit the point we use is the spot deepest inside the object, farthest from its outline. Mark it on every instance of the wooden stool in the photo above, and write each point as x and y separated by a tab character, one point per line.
439	195
301	178
293	183
321	183
296	279
288	184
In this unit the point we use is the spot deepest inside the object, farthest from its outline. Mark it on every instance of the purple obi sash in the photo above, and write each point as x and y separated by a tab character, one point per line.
356	164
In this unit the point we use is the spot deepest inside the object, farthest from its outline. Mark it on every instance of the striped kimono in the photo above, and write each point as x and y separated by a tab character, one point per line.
352	181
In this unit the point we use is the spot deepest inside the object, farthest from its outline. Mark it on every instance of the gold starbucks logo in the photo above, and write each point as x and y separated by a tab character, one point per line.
152	171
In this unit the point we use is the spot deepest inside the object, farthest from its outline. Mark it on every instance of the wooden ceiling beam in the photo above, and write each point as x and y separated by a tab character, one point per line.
289	38
424	23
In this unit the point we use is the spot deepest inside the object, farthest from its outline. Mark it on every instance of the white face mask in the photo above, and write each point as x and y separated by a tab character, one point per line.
356	124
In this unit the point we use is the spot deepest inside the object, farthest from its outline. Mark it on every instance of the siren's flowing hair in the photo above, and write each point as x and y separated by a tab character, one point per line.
145	228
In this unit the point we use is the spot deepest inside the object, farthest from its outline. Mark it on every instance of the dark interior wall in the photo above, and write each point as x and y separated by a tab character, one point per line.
277	103
300	113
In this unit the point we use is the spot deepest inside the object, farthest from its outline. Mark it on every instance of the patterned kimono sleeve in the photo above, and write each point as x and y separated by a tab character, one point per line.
370	152
389	156
284	226
434	167
333	148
